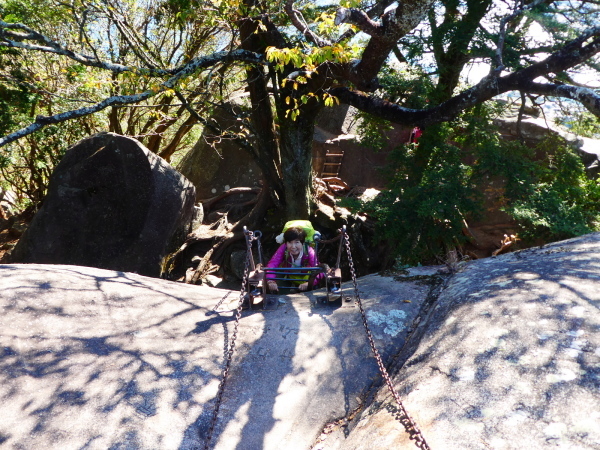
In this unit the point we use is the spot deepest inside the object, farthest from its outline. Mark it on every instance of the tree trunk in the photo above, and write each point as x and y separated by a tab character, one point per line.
296	164
254	38
266	151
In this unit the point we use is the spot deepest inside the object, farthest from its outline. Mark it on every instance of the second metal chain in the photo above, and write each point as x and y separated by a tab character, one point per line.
409	424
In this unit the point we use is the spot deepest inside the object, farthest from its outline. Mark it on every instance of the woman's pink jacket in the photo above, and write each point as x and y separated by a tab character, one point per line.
279	260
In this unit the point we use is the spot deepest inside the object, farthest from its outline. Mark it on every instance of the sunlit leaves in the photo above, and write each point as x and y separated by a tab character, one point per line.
308	58
326	24
350	3
11	18
330	100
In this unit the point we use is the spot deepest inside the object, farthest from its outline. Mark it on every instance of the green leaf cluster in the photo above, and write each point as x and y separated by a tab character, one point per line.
408	87
562	202
435	188
15	104
421	214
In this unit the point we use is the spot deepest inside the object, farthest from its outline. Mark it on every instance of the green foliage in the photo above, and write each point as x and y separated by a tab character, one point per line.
551	215
406	86
435	179
550	198
435	186
422	213
14	103
36	83
308	59
373	132
582	123
510	161
562	202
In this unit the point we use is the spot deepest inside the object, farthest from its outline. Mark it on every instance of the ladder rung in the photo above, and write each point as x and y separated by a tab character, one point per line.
332	164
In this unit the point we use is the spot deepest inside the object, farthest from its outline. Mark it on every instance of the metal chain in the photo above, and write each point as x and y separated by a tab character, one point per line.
409	424
218	305
221	389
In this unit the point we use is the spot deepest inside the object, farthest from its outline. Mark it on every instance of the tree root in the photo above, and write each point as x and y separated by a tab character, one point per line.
205	250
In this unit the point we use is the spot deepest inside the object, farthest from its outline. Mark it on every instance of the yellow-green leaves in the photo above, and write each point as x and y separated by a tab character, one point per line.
330	100
350	3
309	58
326	23
295	103
283	56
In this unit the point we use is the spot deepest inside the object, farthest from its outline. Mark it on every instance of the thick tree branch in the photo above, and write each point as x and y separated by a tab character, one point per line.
486	90
380	108
573	54
42	121
587	97
395	23
377	10
301	25
452	56
360	19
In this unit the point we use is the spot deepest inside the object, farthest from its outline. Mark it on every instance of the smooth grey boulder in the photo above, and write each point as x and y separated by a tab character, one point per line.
214	164
97	359
509	359
111	204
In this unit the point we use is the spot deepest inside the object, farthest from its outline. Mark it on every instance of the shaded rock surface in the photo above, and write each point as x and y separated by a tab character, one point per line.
506	357
535	129
101	359
509	359
215	165
111	204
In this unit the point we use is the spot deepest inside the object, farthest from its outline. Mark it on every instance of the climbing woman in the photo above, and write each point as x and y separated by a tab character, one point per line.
293	253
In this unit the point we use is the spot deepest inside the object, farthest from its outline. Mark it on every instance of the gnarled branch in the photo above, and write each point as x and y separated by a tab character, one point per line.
499	64
587	97
301	25
186	70
574	53
10	38
16	39
358	18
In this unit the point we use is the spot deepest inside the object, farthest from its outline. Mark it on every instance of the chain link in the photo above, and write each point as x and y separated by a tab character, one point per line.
215	309
409	424
238	314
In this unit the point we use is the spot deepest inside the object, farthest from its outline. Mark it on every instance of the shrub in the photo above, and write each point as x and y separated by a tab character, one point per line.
431	190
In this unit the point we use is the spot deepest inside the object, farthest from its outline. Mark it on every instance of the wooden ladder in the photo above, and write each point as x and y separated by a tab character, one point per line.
333	163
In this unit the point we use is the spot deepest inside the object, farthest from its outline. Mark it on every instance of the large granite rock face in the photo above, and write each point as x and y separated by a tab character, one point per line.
507	356
98	359
111	204
509	359
215	164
